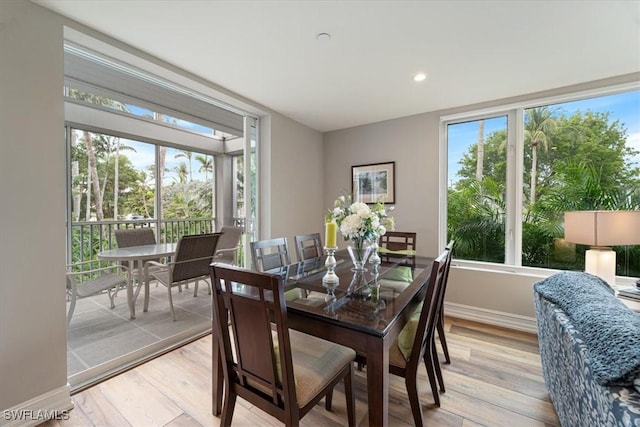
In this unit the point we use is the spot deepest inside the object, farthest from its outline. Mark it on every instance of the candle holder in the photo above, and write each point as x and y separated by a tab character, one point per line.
330	279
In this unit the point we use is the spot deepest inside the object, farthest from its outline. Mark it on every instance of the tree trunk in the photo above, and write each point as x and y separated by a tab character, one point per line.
94	182
480	151
115	180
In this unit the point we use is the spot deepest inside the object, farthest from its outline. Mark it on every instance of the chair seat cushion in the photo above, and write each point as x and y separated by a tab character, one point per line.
408	333
406	252
315	363
400	274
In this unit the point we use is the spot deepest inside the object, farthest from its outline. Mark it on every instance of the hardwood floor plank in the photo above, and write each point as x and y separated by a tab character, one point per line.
139	402
494	380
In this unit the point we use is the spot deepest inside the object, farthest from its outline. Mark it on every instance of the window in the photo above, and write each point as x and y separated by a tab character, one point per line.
512	174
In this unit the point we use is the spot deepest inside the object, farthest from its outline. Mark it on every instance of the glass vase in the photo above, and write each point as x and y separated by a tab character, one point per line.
359	250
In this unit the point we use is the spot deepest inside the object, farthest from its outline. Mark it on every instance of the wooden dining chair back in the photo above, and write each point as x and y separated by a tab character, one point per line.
416	343
270	254
440	324
308	246
396	245
190	262
281	371
228	245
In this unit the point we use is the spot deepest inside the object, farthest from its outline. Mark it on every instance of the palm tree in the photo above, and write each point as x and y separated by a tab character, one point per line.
188	155
206	165
182	172
93	182
539	125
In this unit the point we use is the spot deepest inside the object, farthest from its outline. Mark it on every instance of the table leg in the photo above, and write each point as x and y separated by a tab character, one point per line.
143	280
378	382
217	380
130	299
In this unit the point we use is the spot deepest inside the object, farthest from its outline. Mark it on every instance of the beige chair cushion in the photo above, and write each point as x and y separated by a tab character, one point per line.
315	362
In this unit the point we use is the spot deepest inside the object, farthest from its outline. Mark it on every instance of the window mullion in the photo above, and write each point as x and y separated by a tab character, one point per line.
513	220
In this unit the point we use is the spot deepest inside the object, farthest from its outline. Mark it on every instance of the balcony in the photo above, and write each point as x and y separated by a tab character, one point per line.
102	341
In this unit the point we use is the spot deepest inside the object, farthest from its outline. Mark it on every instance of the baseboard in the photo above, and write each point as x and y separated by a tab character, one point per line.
491	317
54	404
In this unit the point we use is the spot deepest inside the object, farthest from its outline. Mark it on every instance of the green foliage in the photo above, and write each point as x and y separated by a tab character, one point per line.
476	221
582	162
187	200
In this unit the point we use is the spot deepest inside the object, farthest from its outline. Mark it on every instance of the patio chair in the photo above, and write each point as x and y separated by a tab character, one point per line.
85	280
278	370
190	263
128	237
270	254
228	245
308	246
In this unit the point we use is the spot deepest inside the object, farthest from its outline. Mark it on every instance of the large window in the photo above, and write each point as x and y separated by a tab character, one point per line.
144	152
512	175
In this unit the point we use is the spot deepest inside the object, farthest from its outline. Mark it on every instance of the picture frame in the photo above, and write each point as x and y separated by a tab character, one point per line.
374	182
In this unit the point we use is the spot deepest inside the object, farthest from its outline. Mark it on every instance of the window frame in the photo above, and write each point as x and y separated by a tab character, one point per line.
515	174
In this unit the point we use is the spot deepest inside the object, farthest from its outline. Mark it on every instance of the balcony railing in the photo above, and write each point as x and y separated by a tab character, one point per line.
88	238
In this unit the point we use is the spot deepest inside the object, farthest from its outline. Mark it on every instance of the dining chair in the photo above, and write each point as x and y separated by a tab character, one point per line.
270	254
85	280
416	343
396	245
440	324
308	246
190	263
279	370
228	245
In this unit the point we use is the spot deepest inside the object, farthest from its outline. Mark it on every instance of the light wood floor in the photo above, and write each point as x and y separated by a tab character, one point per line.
494	379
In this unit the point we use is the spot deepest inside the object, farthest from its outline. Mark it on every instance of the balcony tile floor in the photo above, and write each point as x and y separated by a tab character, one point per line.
98	334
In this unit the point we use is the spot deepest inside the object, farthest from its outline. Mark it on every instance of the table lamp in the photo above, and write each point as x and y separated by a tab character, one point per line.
600	230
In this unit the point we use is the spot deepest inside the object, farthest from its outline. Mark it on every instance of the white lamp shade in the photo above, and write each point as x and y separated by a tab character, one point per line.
602	228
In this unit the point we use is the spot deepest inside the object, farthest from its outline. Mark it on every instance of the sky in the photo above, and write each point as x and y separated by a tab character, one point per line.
624	107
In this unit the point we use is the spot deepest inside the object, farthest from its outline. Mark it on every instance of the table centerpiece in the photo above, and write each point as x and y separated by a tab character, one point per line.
361	225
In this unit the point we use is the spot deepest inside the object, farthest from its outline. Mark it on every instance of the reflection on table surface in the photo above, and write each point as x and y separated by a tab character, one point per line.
367	300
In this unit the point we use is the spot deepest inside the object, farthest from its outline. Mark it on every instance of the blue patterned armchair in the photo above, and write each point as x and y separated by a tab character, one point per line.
590	350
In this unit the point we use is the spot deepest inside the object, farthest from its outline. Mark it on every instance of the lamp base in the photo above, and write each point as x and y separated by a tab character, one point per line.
601	262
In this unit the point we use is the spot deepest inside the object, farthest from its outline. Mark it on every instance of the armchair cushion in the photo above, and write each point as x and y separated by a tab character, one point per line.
614	347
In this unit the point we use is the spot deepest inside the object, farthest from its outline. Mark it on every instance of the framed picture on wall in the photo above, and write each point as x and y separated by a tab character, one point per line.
374	182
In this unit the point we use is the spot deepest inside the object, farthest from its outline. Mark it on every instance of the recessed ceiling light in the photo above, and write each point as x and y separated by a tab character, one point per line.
420	77
323	37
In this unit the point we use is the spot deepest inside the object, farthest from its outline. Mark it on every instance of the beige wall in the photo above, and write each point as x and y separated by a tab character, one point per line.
33	353
413	143
294	182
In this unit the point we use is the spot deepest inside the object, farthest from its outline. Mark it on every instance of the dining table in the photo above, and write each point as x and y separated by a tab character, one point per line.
137	255
366	311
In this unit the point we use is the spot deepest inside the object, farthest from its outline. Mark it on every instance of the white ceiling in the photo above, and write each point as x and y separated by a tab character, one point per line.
472	51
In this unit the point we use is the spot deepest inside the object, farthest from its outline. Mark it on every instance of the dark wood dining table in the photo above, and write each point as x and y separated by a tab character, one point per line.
367	314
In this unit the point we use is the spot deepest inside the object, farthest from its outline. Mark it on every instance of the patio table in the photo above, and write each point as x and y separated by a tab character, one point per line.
138	255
